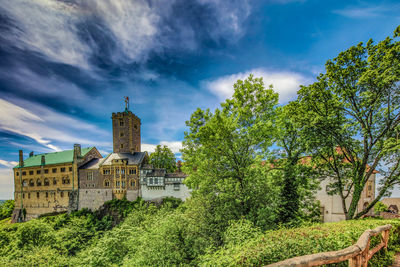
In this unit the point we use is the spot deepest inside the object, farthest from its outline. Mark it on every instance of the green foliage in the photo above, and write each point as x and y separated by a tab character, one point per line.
223	153
6	209
379	206
274	246
350	119
163	158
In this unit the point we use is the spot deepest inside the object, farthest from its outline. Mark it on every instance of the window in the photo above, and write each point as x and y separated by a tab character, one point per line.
30	172
132	171
62	194
117	183
46	171
38	182
121	123
65	180
31	183
69	194
176	186
24	183
155	180
29	195
107	183
47	194
135	126
121	134
37	194
46	182
106	171
54	181
70	169
132	183
89	176
117	171
17	173
62	169
38	172
123	171
122	145
123	184
23	195
23	173
54	170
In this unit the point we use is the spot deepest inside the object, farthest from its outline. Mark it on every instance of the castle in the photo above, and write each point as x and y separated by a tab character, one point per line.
81	178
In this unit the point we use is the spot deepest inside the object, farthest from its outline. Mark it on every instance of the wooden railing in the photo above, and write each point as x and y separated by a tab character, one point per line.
358	254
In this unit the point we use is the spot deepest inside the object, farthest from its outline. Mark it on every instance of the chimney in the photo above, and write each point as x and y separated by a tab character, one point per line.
77	151
21	158
31	154
179	165
43	160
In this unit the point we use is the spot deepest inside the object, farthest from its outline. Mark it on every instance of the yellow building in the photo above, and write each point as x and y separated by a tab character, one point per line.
48	182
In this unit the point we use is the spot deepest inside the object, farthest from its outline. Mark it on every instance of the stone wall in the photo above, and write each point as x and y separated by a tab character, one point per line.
151	193
132	195
93	198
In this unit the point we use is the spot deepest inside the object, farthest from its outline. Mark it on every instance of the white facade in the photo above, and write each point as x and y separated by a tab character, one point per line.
155	186
331	206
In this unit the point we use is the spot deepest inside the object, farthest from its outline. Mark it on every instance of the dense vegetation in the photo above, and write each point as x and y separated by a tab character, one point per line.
6	208
170	235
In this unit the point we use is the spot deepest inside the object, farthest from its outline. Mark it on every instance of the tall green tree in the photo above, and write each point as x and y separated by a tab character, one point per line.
351	120
298	178
163	157
223	152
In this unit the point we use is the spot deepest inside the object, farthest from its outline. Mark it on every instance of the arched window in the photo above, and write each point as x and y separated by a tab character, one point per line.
65	180
54	181
38	182
62	194
106	183
133	183
24	183
31	183
37	194
47	194
46	182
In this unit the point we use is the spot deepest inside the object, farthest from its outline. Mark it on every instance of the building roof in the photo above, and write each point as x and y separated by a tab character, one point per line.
133	159
92	164
65	156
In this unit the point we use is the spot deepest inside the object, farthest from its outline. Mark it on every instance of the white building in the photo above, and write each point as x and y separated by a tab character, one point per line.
331	205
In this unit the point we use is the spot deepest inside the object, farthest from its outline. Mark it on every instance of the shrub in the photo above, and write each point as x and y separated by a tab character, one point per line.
275	246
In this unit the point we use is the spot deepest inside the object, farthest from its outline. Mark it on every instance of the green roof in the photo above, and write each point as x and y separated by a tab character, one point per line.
53	158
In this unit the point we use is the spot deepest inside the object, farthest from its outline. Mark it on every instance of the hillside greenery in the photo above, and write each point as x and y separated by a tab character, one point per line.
169	235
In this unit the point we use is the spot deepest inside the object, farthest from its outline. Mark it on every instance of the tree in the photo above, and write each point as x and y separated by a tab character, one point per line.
223	152
298	178
163	157
351	117
6	209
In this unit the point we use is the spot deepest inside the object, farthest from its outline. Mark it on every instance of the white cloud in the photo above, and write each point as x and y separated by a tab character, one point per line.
44	125
285	83
175	146
57	29
366	11
6	183
8	163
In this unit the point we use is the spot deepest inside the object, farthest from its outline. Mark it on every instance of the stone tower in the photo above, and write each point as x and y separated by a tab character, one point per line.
126	132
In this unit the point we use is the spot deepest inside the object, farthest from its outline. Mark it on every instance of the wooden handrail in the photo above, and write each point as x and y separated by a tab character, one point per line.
358	254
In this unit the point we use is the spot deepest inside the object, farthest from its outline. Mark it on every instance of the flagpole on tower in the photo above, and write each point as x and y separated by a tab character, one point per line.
126	103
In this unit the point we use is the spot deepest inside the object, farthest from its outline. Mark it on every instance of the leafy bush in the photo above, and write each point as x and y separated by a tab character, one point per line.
379	206
6	209
275	246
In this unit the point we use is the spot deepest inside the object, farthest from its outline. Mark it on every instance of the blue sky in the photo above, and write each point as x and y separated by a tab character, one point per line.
66	65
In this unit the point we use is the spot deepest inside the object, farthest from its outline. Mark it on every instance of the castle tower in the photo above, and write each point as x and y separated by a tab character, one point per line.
126	131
